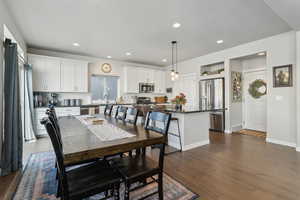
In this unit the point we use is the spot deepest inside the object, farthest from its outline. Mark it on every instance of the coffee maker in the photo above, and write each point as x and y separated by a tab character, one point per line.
54	99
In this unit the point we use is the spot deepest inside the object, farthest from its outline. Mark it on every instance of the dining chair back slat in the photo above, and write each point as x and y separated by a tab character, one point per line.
121	113
158	122
108	109
132	115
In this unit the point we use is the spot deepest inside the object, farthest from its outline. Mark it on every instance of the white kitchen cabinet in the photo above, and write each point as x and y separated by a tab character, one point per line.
40	113
159	81
52	74
66	76
131	80
46	73
74	76
81	76
136	75
67	111
146	75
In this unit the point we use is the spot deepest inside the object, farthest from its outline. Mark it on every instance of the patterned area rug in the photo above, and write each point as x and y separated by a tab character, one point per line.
39	183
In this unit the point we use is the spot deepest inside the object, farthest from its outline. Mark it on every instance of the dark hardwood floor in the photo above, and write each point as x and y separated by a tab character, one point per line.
238	167
232	167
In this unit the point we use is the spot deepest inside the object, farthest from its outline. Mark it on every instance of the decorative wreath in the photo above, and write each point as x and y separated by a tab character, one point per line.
257	88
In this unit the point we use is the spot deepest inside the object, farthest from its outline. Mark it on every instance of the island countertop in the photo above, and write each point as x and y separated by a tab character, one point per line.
192	110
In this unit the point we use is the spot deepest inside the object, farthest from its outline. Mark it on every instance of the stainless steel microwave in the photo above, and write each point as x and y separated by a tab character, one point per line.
146	87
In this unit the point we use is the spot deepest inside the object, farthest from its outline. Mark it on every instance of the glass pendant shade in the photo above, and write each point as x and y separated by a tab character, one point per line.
172	72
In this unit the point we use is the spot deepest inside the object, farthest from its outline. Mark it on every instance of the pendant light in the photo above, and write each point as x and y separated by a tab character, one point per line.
174	71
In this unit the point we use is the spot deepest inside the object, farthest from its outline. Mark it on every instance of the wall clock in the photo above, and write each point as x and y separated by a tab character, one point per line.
106	68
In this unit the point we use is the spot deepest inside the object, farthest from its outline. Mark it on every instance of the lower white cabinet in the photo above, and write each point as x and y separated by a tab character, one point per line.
40	113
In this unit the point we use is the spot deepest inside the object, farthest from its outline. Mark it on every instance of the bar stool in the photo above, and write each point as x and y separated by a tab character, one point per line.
175	119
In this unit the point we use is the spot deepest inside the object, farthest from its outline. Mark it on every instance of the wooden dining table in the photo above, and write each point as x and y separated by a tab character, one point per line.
80	144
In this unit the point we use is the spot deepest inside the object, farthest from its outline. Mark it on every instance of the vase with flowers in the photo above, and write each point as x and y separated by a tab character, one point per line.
179	100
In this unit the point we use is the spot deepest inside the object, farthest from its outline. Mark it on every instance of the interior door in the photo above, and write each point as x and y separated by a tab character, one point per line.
255	110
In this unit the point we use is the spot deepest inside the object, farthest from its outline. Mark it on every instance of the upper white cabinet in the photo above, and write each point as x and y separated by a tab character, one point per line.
131	80
136	75
74	76
159	80
46	73
146	75
58	75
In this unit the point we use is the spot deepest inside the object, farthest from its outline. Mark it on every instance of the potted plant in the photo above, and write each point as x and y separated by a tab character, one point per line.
179	101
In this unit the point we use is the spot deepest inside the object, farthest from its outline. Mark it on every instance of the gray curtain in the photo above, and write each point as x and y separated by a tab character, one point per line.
12	147
29	128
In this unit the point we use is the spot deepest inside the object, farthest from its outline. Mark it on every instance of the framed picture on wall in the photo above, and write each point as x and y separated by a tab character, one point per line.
283	76
236	85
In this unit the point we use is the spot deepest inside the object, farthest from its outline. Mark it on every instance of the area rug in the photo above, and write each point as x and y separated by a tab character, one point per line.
39	183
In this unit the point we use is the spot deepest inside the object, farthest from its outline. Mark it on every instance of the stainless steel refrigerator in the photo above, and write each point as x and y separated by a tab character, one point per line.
212	98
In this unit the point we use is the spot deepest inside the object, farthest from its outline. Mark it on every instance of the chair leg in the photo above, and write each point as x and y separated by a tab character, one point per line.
160	186
117	191
179	134
127	190
58	193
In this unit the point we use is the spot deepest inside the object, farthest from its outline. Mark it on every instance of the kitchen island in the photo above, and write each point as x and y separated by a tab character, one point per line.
194	125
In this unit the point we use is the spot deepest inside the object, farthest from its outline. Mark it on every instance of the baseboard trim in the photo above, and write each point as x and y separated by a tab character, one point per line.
236	127
195	145
174	144
280	142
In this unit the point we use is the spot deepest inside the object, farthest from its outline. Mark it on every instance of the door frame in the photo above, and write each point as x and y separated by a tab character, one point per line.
261	69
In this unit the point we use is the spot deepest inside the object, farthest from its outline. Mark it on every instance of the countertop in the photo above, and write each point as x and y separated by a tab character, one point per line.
193	110
104	104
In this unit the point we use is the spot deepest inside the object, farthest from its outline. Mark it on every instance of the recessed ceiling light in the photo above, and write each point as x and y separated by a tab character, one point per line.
108	57
220	41
128	54
75	44
164	60
261	54
176	25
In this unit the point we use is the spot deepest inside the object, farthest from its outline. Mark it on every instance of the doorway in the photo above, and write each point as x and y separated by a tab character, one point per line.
254	108
248	108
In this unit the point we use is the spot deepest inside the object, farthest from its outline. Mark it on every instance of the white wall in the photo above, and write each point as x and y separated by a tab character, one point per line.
254	63
281	50
5	18
298	89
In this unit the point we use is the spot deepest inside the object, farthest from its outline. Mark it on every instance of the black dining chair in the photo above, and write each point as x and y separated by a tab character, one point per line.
121	113
132	115
84	181
53	119
108	109
138	168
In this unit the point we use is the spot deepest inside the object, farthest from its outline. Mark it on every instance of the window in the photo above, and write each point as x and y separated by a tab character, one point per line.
104	87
